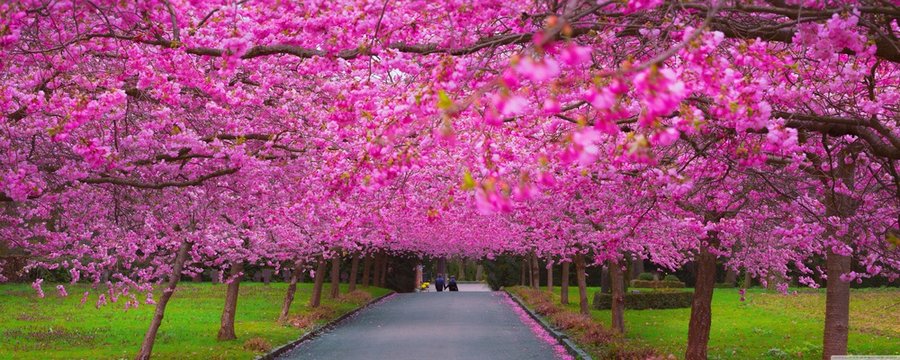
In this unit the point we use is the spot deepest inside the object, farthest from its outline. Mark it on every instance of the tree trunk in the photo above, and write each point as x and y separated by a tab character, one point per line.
336	276
582	284
564	284
291	291
367	265
637	267
376	268
731	277
150	336
535	273
523	277
748	280
354	268
316	298
442	266
226	329
479	272
382	281
462	270
617	285
605	281
837	306
549	276
701	314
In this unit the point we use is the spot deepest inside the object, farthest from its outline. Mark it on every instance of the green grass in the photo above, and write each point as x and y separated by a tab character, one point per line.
767	325
55	327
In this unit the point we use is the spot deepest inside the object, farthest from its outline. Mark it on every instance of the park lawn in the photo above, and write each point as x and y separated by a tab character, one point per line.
57	327
767	325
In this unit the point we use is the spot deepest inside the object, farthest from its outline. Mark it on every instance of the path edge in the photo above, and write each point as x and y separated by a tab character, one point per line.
564	339
271	355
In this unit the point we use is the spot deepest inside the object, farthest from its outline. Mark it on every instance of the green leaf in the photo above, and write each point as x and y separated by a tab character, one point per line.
444	101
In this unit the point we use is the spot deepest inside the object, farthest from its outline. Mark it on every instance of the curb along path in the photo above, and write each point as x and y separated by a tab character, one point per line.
312	334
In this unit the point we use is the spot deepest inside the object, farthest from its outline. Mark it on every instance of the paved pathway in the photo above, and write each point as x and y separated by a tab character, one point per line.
430	325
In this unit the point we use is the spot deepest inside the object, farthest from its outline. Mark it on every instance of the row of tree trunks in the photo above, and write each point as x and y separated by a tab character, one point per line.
177	267
226	328
296	276
564	285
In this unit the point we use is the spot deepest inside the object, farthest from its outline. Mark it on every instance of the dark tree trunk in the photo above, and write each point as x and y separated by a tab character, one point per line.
524	273
617	285
582	284
376	268
316	298
226	328
366	275
564	284
462	270
354	268
479	272
549	277
731	277
150	336
837	306
637	267
442	266
748	280
382	280
701	314
535	273
335	276
604	280
296	276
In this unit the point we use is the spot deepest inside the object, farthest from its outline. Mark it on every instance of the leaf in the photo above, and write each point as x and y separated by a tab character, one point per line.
444	101
468	182
175	130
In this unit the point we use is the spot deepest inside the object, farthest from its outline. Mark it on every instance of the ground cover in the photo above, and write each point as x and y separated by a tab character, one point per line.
60	327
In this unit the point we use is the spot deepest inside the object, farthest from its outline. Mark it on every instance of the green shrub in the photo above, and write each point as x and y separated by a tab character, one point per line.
656	284
503	271
671	277
645	276
657	299
724	286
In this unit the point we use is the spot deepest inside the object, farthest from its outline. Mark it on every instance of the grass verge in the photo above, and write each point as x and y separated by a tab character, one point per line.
61	328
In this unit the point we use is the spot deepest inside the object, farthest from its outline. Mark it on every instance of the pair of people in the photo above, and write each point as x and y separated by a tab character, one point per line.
451	285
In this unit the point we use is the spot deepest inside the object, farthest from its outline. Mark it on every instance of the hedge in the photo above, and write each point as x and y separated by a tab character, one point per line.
647	300
656	284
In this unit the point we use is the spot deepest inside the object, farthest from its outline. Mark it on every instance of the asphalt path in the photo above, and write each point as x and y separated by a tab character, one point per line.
429	325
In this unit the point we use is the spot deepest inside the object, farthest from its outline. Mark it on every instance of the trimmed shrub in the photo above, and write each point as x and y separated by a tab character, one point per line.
671	277
647	300
657	284
645	276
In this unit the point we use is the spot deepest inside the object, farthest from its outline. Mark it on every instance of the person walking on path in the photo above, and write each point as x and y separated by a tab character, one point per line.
439	283
451	286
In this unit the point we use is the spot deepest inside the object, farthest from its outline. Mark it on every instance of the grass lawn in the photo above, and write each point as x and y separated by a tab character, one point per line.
55	327
767	325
